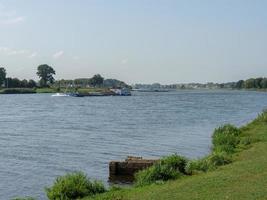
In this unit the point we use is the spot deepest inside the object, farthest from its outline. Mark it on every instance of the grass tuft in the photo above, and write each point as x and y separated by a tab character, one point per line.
74	186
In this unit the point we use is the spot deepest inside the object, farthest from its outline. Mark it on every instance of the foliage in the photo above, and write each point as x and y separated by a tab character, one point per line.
218	159
114	83
45	72
16	83
252	83
18	91
73	186
197	166
2	75
96	80
226	138
168	168
208	163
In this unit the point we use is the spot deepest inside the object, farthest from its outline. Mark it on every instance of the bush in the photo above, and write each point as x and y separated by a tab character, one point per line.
208	163
73	186
168	168
226	138
218	159
197	166
262	117
175	161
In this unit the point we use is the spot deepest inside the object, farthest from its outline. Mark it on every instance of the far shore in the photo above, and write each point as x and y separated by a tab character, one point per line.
101	90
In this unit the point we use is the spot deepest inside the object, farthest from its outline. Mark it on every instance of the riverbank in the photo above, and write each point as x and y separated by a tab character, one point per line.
245	178
51	90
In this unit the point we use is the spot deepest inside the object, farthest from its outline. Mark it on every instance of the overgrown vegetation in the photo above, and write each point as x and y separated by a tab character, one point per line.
168	168
74	186
226	138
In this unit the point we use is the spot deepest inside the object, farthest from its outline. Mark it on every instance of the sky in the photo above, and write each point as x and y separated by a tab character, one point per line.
137	41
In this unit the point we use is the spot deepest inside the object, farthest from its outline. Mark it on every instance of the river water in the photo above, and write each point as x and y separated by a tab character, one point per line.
42	137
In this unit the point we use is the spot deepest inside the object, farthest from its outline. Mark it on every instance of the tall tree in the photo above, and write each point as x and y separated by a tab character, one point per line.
32	83
240	84
2	75
45	72
97	80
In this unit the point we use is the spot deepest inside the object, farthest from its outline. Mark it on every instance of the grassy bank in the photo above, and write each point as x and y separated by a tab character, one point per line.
244	178
50	90
18	91
27	90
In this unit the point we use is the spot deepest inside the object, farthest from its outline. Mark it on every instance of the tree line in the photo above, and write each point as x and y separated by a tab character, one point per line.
252	83
46	79
44	72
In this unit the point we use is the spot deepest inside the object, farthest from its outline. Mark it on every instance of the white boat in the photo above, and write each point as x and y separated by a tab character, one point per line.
121	92
60	95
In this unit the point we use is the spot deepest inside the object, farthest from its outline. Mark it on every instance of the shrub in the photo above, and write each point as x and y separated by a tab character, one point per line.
218	159
197	166
262	117
168	168
208	163
226	138
73	186
175	161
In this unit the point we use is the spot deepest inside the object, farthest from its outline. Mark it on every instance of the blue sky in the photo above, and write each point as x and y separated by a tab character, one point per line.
166	41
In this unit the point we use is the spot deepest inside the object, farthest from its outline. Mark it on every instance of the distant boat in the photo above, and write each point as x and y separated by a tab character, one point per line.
121	92
67	95
60	95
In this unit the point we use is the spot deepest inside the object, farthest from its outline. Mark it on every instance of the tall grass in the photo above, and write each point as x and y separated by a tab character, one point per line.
226	138
74	186
168	168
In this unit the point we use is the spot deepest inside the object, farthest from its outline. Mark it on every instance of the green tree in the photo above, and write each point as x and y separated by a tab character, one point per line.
45	72
32	83
250	83
2	75
257	82
264	83
240	84
96	80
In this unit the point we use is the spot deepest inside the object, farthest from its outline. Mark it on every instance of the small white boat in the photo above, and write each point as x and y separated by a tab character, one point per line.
60	95
121	92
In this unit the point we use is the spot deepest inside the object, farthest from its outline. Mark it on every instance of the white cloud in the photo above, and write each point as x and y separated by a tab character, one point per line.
13	20
124	61
58	54
16	52
8	17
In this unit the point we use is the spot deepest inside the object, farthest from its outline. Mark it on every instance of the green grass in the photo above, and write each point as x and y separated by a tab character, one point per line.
245	178
17	91
73	186
51	90
46	90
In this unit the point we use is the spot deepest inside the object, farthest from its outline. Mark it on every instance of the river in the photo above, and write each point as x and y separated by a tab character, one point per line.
42	137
